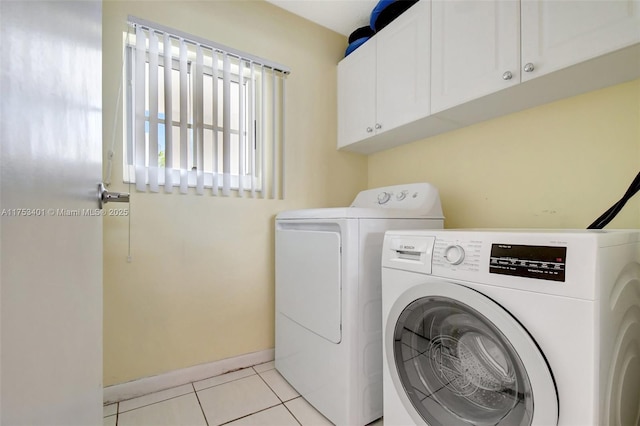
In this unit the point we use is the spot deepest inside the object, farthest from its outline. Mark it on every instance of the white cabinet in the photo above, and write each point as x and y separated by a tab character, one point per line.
475	50
403	68
357	95
479	48
445	64
557	34
385	82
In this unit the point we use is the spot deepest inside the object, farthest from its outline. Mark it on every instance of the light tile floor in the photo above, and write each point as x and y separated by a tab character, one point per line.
255	396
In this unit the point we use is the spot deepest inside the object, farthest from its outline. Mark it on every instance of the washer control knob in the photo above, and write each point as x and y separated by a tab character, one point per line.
454	254
383	197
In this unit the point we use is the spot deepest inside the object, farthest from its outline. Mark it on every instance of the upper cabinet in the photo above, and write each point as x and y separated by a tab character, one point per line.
385	83
558	34
485	59
481	47
475	50
526	53
357	96
403	69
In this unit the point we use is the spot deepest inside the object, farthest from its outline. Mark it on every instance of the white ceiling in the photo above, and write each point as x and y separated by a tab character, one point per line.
341	16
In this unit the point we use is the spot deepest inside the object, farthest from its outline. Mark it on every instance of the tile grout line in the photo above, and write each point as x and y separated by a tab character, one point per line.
251	414
230	381
178	396
156	402
278	396
255	372
282	400
291	412
270	388
200	404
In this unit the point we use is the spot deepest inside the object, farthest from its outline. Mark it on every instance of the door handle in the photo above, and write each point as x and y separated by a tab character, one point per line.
105	196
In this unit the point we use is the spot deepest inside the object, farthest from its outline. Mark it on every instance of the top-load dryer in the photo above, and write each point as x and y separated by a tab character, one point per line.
328	296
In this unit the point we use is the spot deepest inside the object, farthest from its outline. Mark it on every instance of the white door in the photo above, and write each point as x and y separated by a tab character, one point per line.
457	357
51	237
558	34
475	50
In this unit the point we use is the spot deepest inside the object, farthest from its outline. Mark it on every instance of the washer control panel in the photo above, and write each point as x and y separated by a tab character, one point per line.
546	260
454	254
529	261
457	255
518	260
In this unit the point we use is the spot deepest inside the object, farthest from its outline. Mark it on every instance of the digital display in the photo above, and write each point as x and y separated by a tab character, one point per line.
541	262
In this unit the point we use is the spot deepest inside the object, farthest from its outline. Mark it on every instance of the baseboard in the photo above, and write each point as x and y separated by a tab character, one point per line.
146	385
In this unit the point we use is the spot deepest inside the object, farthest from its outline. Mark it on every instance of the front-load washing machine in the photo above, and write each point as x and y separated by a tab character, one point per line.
328	297
511	327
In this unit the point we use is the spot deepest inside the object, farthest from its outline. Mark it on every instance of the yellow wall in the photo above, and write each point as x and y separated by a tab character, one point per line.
200	286
559	165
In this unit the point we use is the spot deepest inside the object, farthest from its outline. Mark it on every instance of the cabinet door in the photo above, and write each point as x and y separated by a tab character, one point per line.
403	67
356	94
475	50
560	33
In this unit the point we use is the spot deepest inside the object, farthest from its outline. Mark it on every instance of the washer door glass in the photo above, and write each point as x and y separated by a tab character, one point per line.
458	368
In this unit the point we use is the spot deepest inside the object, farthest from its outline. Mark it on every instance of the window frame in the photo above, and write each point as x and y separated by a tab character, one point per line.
252	151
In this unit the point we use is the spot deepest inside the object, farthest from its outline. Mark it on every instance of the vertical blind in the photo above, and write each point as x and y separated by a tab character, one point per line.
202	115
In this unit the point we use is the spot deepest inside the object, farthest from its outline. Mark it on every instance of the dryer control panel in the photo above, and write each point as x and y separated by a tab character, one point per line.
422	198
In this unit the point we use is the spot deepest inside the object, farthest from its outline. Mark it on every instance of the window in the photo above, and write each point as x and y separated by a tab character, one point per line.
201	115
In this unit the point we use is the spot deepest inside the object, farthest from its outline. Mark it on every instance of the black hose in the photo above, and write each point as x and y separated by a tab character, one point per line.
608	216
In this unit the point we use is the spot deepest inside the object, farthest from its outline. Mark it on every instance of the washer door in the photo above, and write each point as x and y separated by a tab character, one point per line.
458	358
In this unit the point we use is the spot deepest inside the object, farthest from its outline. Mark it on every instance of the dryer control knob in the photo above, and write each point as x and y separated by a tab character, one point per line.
383	197
454	255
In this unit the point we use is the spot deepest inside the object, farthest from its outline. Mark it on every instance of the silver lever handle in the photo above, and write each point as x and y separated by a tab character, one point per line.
105	196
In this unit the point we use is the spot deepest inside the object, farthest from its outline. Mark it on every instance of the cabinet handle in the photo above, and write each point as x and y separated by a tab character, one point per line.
528	67
369	130
507	75
378	126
